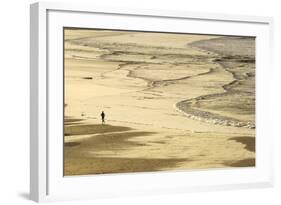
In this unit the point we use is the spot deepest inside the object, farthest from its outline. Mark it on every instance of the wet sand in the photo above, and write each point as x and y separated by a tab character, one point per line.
172	102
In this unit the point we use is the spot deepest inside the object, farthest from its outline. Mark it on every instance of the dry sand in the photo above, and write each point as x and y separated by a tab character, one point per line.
172	102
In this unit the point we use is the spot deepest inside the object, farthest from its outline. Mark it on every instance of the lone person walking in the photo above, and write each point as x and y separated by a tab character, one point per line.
102	117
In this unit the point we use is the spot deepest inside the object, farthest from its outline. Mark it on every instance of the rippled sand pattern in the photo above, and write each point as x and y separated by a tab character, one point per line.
172	101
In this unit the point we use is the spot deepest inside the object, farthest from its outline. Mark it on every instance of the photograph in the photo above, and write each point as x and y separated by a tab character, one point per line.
148	101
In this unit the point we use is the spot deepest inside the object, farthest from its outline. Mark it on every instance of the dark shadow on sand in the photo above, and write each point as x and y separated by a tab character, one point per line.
249	142
114	141
103	142
80	159
71	121
250	162
71	144
102	165
86	129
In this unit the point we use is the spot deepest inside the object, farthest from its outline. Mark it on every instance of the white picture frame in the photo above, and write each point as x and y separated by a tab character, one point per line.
46	179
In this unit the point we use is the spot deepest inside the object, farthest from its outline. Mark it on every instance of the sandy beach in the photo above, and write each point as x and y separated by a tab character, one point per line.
171	101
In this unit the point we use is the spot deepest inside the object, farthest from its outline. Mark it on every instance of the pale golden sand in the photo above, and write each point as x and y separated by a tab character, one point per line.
138	79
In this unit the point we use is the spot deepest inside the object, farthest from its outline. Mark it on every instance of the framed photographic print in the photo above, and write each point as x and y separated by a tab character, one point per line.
129	101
